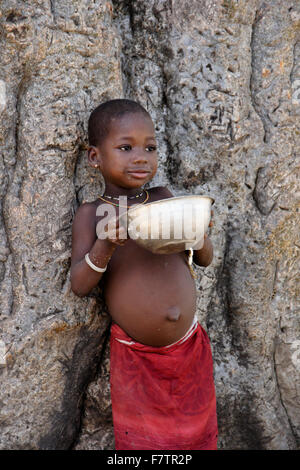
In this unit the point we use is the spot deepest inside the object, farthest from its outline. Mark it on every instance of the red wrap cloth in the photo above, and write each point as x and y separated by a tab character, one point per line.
163	398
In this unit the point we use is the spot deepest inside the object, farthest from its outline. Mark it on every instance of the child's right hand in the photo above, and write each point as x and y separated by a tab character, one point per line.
115	233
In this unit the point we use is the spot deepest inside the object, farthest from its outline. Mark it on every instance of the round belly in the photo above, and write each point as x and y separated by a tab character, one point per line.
151	297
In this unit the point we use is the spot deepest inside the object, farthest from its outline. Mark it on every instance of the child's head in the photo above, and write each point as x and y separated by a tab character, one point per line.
102	116
122	143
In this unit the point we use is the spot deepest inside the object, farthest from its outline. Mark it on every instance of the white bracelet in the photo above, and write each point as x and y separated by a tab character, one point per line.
91	265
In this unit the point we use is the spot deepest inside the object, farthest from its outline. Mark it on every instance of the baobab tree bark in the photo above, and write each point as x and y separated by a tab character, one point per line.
221	80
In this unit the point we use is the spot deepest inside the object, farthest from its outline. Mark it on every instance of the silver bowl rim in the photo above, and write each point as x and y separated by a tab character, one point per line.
132	209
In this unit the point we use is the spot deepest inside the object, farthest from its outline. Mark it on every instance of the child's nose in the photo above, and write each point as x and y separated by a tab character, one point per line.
140	157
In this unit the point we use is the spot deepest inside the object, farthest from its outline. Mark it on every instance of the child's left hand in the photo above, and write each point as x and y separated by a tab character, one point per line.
210	224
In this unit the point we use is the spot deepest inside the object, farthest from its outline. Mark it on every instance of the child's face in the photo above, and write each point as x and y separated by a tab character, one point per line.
128	155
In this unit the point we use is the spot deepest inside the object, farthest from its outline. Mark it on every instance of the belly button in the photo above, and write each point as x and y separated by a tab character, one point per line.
173	313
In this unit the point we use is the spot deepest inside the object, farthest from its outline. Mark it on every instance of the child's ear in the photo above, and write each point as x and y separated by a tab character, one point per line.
94	156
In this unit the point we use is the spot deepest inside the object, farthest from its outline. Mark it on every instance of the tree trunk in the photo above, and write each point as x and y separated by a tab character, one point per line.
221	80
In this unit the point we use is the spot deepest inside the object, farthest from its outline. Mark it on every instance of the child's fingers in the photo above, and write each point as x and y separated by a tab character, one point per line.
112	225
116	235
114	222
122	233
211	222
116	241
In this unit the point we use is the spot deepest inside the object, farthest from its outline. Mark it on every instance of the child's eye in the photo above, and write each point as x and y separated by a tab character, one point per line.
151	148
125	148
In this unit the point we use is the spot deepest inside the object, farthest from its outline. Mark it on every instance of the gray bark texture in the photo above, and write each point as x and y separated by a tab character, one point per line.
221	80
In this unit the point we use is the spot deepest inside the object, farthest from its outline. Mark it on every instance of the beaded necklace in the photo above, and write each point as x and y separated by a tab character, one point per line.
126	207
117	198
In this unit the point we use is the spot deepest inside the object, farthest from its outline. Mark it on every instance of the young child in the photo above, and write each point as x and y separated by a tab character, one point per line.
161	370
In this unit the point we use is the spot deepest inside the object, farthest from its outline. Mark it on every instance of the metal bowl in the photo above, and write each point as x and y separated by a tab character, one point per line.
170	225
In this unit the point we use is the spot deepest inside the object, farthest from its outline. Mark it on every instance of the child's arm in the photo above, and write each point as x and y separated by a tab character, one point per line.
204	256
84	240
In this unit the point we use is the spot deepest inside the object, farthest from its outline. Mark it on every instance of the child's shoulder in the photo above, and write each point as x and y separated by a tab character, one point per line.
86	213
160	192
87	208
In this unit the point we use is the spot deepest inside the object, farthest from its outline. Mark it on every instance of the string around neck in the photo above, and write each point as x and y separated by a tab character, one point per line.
126	207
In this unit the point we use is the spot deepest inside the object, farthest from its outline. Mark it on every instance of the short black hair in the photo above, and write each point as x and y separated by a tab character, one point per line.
100	118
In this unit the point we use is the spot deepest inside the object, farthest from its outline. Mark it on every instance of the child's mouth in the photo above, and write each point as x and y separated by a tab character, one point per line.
139	174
